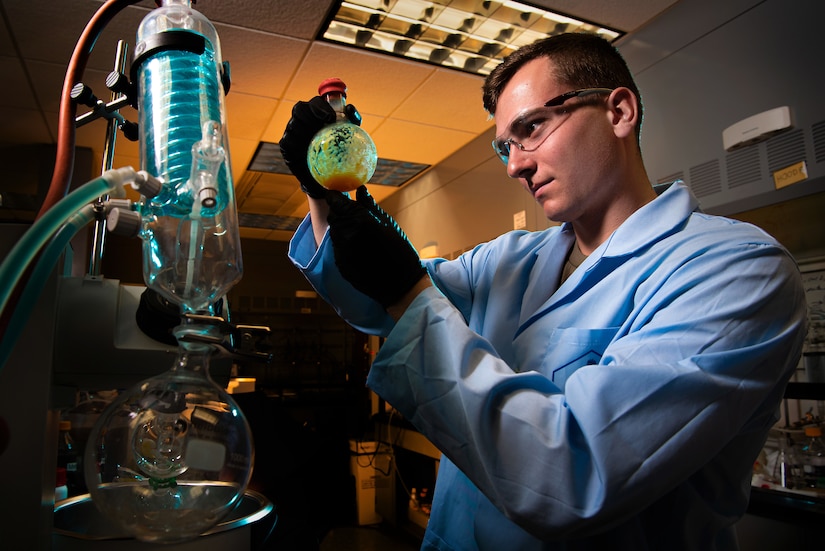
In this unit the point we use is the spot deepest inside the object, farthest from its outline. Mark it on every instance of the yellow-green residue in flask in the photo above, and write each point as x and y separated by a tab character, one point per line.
341	156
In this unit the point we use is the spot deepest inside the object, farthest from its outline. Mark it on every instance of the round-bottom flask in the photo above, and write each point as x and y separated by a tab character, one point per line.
170	457
341	156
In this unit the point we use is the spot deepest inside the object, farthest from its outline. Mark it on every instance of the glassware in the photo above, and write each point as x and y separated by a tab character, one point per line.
813	458
787	470
341	156
191	255
193	258
173	455
178	91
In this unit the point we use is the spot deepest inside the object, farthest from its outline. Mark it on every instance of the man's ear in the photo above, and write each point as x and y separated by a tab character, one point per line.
623	107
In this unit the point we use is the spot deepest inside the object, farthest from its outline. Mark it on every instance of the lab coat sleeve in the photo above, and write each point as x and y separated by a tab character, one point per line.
695	370
318	266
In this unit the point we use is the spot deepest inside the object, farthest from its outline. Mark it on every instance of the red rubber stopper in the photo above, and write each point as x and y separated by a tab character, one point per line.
332	85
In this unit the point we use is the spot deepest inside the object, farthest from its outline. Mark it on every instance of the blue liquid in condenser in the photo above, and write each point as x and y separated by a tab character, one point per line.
181	92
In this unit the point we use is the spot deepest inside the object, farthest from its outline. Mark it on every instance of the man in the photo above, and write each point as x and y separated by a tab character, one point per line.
605	384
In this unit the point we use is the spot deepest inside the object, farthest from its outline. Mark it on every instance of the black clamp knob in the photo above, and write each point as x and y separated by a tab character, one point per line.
119	83
83	95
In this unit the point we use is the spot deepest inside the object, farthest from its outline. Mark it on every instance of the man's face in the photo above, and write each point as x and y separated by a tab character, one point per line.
569	172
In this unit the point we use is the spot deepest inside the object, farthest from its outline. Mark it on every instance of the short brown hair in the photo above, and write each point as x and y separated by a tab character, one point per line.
581	60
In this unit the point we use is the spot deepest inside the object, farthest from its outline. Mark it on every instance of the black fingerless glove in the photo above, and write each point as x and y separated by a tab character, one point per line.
371	251
308	117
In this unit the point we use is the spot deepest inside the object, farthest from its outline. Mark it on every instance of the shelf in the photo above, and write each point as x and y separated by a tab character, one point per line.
805	391
406	438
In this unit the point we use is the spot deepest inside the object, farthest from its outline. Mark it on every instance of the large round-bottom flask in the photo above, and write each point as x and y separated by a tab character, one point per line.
170	457
341	156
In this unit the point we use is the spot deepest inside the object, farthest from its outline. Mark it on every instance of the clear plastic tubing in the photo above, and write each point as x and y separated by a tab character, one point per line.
38	278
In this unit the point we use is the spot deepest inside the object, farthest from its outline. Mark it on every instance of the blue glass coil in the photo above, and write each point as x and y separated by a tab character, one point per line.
180	91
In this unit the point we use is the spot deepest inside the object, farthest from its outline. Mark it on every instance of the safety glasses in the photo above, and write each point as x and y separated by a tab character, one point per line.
530	129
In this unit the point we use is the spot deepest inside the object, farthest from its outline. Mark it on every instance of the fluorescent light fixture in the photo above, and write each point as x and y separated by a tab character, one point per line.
467	35
388	172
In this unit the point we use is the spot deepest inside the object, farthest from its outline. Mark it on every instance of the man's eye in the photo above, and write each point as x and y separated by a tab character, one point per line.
529	127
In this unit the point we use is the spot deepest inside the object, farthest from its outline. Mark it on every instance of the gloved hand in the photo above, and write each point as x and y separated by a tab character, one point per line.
308	117
371	251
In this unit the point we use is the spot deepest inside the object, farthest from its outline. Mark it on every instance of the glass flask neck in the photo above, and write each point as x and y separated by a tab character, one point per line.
338	102
193	355
341	156
168	3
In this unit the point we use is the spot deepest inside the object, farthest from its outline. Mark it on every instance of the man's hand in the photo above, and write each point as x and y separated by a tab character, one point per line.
371	251
308	117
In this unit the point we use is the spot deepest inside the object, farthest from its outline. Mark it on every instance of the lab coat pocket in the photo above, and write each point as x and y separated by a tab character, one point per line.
561	351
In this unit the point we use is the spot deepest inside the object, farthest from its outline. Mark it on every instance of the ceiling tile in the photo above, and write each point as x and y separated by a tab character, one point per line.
70	18
295	204
259	204
241	152
277	123
418	143
247	116
16	91
376	83
260	63
448	99
254	233
297	19
280	235
622	15
23	127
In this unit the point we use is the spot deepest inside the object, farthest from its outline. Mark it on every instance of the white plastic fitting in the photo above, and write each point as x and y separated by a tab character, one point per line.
125	222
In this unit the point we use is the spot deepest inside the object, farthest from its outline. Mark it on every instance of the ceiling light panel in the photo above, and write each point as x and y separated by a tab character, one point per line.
468	35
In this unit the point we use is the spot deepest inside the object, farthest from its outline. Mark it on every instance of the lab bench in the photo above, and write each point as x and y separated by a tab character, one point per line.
783	519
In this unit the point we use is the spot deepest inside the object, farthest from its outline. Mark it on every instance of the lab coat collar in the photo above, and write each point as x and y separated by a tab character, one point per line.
660	217
650	223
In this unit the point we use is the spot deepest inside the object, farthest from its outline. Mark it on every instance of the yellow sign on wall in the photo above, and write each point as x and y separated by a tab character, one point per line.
790	175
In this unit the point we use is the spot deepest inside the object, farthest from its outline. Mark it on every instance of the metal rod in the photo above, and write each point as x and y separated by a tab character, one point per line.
99	235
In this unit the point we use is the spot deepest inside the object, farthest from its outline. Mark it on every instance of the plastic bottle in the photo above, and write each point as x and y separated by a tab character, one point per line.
341	156
813	458
67	459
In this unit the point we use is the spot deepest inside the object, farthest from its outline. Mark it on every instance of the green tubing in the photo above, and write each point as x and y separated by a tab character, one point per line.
18	260
38	277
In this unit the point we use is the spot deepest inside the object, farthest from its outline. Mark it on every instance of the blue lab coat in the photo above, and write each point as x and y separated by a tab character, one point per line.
620	410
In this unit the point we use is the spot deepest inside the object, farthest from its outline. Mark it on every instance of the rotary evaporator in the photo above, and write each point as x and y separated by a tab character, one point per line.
172	456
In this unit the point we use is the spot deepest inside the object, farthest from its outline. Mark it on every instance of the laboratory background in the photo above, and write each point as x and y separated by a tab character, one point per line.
105	355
